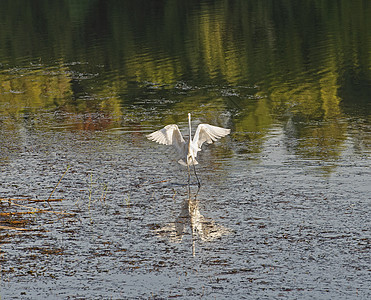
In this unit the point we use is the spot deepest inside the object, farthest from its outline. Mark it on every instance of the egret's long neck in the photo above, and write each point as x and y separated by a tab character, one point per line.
190	131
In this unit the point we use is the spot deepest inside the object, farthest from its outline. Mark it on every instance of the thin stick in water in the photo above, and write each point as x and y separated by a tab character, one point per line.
68	166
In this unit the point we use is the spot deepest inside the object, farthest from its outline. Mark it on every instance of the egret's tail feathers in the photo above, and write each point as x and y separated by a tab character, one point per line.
183	163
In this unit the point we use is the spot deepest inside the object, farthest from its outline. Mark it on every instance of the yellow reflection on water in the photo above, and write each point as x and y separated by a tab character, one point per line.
297	68
32	90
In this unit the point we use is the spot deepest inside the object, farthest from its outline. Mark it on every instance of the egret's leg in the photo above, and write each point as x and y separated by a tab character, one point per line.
189	177
198	181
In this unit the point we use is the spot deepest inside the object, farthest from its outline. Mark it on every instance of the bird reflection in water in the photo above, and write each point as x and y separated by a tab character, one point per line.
201	227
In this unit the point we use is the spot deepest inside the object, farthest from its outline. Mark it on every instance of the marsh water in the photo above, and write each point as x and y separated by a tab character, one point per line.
92	209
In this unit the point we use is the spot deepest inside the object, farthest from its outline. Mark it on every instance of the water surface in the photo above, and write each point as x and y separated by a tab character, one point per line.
283	211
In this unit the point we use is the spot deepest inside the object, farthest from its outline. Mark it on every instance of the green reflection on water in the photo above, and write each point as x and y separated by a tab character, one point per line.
99	65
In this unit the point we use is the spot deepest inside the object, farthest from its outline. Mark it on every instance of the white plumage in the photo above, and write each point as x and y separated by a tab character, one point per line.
171	135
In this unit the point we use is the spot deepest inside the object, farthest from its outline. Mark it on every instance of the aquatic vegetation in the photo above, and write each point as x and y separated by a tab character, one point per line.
13	209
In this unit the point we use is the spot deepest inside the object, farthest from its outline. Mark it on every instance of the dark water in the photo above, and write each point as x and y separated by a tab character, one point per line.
284	209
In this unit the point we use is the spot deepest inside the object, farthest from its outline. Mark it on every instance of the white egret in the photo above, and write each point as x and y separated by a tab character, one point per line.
171	135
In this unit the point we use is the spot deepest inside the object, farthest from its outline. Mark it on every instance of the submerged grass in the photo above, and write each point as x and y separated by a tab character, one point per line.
9	219
17	212
57	185
96	193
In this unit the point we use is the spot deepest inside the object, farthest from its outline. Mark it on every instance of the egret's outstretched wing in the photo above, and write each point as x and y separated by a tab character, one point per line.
208	133
169	135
